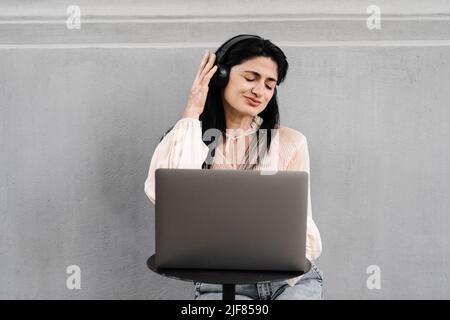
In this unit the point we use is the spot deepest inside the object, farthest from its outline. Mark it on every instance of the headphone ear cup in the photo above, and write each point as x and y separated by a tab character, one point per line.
220	77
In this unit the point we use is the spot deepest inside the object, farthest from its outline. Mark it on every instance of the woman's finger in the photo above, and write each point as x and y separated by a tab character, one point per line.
208	66
209	75
202	64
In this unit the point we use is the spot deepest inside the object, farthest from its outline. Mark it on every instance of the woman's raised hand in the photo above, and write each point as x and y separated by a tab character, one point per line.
199	90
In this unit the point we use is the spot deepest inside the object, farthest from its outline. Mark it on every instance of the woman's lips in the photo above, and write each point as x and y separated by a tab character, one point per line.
252	103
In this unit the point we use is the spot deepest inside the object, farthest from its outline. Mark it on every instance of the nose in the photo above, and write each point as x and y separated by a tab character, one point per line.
257	89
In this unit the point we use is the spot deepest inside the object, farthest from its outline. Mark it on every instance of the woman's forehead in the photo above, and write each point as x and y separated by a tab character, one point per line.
261	65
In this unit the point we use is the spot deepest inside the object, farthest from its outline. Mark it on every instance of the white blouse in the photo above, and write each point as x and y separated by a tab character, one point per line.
184	148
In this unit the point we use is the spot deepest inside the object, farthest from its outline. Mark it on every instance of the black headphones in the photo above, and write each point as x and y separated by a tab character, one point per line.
220	77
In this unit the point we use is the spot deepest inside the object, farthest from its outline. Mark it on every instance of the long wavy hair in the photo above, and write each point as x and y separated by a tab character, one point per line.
213	115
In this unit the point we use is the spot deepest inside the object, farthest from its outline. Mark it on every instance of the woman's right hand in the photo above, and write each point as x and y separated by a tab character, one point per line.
199	90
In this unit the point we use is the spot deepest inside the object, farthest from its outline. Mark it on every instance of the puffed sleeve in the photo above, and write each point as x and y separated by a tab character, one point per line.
182	147
300	161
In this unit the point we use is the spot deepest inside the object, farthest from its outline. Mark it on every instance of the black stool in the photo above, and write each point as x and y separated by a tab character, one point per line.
227	278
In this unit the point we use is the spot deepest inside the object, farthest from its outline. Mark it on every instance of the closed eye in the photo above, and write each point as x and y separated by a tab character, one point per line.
250	80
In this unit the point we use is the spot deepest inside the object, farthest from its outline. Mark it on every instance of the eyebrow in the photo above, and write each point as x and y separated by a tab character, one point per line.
257	74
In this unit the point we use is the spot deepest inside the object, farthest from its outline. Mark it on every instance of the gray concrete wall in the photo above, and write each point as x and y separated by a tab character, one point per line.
83	110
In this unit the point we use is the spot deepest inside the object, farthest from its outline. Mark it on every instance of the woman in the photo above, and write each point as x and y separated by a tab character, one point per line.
240	102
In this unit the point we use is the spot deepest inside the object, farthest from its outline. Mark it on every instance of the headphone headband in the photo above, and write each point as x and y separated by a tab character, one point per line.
220	78
223	51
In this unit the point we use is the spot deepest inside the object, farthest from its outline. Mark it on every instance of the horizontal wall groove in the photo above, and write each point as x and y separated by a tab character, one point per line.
219	18
218	31
202	21
422	43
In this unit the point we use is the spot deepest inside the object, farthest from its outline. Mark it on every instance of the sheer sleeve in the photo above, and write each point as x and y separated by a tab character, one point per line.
182	147
300	161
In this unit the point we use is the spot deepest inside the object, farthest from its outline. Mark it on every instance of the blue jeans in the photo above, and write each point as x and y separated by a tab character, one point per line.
308	287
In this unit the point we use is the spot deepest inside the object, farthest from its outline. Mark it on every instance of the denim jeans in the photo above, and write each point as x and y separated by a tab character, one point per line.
308	287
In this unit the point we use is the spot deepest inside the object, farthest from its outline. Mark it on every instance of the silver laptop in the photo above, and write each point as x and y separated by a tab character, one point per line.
230	219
